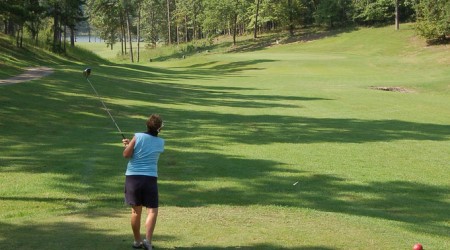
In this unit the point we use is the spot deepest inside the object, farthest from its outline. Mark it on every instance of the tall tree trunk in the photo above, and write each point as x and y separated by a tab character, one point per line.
255	35
72	37
112	44
397	17
129	34
291	18
177	29
194	29
168	21
21	36
235	22
33	31
17	38
65	38
55	28
124	34
36	41
139	31
122	41
10	27
234	28
186	29
60	34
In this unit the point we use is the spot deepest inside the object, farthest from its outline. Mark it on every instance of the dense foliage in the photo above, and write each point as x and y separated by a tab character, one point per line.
433	19
34	16
178	21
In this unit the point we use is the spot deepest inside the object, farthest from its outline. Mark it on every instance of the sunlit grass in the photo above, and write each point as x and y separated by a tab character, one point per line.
273	147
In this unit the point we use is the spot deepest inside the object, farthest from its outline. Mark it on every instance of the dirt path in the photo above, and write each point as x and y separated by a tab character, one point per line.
28	75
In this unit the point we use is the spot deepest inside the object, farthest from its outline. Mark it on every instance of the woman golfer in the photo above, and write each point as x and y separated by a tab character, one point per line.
141	188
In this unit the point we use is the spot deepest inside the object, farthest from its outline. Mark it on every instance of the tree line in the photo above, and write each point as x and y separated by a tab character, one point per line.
47	20
183	21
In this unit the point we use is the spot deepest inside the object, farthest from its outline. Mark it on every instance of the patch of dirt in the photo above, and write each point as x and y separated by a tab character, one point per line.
393	89
29	74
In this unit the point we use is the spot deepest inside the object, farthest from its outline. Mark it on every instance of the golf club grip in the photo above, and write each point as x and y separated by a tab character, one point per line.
123	136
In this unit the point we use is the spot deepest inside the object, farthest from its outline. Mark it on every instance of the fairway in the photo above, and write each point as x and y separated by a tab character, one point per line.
286	146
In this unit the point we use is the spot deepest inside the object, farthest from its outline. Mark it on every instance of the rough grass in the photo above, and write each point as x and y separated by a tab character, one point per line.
369	167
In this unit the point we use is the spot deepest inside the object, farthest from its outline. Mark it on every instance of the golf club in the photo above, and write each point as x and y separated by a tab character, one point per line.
87	73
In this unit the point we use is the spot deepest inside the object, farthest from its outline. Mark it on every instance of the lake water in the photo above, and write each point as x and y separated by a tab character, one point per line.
94	39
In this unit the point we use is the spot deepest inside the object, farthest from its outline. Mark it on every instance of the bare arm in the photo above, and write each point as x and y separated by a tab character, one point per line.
129	147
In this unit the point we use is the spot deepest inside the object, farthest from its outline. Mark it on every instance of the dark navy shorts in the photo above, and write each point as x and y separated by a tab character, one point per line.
141	190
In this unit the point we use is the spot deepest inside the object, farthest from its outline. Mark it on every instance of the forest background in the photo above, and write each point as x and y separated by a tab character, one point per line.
54	24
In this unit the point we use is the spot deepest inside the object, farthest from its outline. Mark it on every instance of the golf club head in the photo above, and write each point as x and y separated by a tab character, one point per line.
87	72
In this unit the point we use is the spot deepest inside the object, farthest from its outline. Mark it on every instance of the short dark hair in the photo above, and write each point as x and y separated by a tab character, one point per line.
154	124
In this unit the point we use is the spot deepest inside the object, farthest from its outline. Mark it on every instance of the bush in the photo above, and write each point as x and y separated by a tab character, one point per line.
433	19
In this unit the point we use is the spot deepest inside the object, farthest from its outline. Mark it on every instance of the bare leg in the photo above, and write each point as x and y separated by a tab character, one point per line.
152	214
136	212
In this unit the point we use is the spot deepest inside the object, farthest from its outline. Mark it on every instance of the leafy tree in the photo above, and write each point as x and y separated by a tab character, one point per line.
7	9
180	15
128	10
186	17
64	13
196	7
255	15
333	12
255	31
271	14
216	16
374	11
105	16
16	16
286	13
35	14
186	20
71	15
224	17
153	11
433	19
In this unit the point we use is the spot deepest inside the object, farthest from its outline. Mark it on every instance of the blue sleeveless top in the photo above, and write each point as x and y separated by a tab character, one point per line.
144	160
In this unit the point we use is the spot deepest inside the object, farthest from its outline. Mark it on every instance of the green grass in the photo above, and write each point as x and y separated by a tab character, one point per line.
243	125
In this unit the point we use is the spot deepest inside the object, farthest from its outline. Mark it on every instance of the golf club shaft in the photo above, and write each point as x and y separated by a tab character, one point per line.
104	106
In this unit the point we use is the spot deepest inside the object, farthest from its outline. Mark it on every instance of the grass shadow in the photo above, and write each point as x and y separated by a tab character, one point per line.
64	111
301	36
258	246
13	59
81	235
254	44
63	235
402	201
